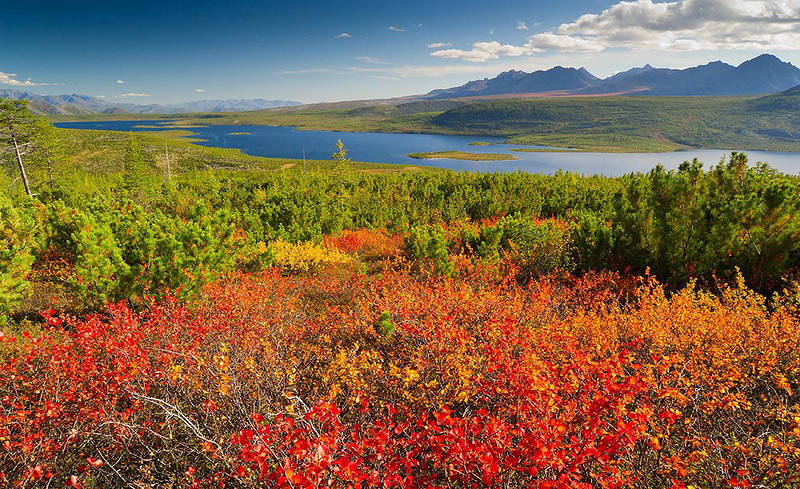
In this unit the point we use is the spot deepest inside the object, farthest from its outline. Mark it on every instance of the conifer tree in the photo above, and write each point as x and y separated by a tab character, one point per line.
48	150
17	130
134	174
340	155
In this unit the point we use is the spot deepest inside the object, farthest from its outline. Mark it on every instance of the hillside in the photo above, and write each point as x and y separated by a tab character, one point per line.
76	104
58	104
764	74
761	75
786	102
558	78
637	122
662	81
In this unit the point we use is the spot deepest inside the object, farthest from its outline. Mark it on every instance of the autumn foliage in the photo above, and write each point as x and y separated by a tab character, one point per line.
393	380
351	328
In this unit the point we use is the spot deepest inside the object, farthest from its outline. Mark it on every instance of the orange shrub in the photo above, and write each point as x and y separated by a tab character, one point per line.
393	381
368	244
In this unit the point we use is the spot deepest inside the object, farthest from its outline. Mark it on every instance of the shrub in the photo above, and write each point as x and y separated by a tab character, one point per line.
18	244
428	246
545	385
306	256
538	247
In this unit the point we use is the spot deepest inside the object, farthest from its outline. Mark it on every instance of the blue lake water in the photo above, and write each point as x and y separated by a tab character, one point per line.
287	142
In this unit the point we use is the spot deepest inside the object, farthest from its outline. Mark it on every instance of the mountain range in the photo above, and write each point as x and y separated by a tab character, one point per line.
764	74
76	104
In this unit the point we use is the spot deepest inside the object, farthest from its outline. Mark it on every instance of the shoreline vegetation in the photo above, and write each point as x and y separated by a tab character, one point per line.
461	155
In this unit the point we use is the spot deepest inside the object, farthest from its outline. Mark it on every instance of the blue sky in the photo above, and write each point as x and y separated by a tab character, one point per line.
312	51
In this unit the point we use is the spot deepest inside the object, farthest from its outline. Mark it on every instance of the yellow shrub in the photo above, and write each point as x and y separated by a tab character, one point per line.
306	257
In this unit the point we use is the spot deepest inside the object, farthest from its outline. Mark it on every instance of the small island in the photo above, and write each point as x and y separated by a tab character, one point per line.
480	143
461	155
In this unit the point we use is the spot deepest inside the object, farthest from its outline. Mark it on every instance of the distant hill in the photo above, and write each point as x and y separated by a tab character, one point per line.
663	81
76	104
631	72
558	78
762	75
787	101
230	105
58	104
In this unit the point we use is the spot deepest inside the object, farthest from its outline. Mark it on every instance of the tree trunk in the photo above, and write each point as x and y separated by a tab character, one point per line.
19	161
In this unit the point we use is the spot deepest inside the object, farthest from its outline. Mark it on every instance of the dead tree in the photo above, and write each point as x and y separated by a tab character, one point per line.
16	132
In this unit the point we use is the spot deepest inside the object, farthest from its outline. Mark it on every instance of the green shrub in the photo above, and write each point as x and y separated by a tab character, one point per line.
18	243
428	246
536	246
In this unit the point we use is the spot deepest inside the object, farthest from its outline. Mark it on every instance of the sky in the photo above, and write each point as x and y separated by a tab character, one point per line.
172	51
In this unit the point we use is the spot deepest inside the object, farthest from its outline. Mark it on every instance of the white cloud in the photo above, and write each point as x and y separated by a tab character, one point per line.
482	52
132	94
121	82
547	41
681	25
688	25
396	29
438	45
11	79
200	90
410	71
309	71
522	26
371	60
343	35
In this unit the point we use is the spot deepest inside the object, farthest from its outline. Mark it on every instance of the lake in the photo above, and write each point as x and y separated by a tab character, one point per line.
287	142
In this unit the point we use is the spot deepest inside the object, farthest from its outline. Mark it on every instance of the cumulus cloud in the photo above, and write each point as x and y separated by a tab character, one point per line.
121	82
133	94
396	29
548	41
438	45
11	79
682	25
482	52
522	26
692	25
343	35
